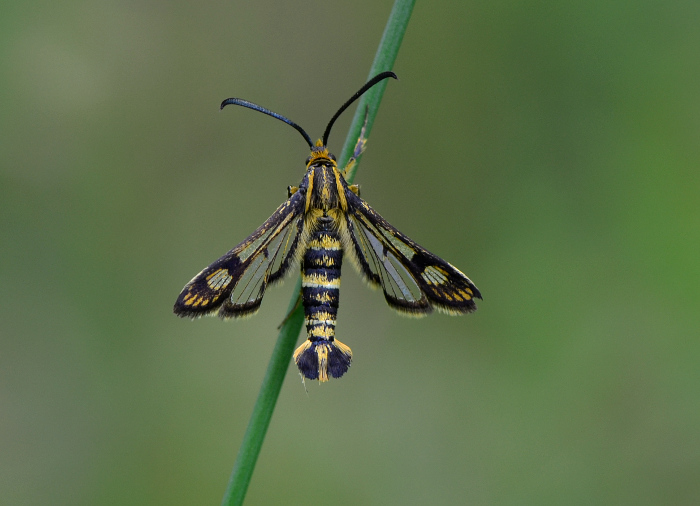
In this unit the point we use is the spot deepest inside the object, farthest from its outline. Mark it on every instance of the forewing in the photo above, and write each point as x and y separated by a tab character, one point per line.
234	285
413	279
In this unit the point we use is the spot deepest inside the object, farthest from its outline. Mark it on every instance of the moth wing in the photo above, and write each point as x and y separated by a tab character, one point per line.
413	279
234	285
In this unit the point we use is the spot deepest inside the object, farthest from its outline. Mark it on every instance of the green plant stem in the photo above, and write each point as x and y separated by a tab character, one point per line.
282	353
384	60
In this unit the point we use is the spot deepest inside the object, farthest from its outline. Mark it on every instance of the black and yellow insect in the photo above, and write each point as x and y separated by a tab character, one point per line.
323	219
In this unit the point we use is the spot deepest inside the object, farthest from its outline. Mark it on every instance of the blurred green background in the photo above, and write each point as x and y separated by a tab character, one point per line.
549	150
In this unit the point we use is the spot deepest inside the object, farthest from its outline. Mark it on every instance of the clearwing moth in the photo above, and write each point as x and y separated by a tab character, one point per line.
323	219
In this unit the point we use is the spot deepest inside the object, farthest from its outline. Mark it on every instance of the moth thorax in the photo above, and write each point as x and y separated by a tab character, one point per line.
325	190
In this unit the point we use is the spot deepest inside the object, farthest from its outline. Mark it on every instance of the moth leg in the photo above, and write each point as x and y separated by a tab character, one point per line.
359	147
355	188
297	304
291	190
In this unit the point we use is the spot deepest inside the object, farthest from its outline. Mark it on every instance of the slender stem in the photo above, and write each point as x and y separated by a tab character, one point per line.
265	405
383	61
282	353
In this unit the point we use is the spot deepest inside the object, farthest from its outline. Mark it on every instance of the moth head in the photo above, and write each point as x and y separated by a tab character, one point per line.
319	154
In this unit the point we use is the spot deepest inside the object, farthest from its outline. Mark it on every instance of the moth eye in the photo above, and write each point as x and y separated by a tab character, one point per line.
331	156
307	161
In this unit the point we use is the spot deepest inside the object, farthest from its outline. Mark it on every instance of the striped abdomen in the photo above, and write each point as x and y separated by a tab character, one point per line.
321	355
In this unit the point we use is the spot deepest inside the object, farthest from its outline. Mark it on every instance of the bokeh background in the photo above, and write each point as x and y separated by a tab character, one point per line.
550	150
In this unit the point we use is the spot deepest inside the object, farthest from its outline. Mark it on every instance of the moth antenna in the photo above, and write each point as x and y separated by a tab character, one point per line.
360	92
255	107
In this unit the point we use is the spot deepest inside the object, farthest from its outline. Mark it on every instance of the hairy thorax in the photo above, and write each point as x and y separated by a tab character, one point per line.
324	187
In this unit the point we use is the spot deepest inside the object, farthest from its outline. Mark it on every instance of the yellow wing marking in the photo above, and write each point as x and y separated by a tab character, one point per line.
196	300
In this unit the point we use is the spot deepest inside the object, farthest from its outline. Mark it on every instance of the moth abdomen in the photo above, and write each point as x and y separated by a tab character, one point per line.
321	355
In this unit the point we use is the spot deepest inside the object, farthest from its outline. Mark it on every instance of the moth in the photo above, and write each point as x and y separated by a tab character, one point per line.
323	220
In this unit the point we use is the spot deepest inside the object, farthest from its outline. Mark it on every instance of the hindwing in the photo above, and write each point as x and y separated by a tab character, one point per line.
234	285
413	279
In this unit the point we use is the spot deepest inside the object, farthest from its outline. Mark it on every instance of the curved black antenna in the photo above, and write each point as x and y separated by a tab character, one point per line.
255	107
368	85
